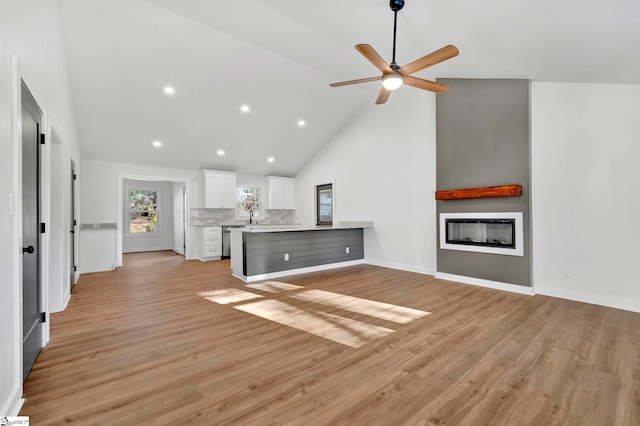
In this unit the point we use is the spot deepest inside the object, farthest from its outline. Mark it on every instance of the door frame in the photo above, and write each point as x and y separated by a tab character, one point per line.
72	261
16	211
120	222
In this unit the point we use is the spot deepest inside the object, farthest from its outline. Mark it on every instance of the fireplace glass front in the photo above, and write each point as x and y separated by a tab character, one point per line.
482	232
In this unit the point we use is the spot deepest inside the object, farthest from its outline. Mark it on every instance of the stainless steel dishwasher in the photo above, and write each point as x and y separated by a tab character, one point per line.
226	240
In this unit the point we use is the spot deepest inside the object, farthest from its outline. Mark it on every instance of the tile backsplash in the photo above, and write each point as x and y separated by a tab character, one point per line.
205	217
279	216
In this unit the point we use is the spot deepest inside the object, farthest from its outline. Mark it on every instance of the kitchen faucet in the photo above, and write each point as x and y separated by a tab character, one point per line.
250	216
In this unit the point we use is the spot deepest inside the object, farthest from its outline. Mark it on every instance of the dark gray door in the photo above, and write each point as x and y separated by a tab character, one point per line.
184	220
72	225
31	319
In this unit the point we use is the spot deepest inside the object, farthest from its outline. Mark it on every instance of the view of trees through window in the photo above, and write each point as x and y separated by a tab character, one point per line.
143	211
248	201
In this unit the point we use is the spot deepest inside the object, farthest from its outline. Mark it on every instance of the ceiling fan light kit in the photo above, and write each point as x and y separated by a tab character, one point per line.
394	76
392	81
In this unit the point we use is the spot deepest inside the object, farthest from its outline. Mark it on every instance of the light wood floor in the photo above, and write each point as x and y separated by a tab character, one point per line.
141	345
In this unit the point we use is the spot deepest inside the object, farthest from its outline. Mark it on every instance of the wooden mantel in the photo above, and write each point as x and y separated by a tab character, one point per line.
484	192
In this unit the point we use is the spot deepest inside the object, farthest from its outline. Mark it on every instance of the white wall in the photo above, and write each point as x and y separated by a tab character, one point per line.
584	201
585	176
161	240
382	166
101	202
30	30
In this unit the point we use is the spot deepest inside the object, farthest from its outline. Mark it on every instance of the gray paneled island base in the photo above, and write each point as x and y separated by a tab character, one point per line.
266	253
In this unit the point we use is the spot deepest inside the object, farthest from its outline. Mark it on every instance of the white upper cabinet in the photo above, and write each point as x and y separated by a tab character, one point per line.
219	189
228	191
282	192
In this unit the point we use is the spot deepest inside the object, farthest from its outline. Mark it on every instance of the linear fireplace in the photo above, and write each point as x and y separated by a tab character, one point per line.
497	233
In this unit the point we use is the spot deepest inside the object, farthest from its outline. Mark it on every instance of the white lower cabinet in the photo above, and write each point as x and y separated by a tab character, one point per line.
210	243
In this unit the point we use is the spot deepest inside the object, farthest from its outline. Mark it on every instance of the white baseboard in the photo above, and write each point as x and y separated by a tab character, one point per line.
46	329
591	298
289	272
12	406
209	259
66	301
400	266
142	250
513	288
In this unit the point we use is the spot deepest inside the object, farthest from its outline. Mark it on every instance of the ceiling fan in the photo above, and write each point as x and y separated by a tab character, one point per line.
394	76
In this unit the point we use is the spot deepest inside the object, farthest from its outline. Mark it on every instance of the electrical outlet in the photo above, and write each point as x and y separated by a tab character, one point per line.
286	257
346	250
565	272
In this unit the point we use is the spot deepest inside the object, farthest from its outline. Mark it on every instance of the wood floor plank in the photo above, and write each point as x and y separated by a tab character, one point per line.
147	344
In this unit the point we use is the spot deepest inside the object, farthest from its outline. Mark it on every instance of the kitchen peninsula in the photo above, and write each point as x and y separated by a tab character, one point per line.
266	252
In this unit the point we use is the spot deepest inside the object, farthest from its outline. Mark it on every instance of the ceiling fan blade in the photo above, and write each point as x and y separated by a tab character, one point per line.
421	83
432	58
383	96
373	57
361	80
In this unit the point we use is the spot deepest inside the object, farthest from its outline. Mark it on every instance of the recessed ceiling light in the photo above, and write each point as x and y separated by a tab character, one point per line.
245	108
169	90
157	144
221	152
301	123
271	159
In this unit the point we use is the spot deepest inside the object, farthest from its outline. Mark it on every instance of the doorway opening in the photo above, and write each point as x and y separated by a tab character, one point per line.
171	201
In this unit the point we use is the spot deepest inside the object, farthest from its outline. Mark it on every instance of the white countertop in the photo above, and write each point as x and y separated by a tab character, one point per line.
210	224
288	228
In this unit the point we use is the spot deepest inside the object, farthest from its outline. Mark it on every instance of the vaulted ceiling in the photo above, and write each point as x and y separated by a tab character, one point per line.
279	56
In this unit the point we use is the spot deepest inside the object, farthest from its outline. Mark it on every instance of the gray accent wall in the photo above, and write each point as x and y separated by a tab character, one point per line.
483	139
264	252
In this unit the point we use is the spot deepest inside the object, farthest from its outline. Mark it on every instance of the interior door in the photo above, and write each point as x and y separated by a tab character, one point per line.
31	317
72	225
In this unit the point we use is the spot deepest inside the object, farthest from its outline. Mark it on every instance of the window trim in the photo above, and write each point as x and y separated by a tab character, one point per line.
320	188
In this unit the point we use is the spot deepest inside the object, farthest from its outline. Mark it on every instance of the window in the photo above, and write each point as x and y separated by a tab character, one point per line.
248	202
324	204
143	211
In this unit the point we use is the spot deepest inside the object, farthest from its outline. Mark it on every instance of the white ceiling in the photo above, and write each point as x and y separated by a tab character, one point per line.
279	56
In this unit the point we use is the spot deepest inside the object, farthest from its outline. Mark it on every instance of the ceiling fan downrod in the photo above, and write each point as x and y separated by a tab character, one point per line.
395	6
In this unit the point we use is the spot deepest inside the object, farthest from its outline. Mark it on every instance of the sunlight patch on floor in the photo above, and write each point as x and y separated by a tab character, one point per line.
274	286
313	320
338	329
372	308
228	295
